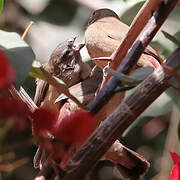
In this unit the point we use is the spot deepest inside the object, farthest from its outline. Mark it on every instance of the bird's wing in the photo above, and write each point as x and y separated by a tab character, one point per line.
41	89
121	31
85	90
116	33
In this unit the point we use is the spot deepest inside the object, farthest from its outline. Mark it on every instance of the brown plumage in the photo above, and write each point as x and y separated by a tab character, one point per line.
104	34
65	63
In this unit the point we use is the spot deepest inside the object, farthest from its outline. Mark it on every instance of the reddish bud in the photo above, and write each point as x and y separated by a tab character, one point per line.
72	128
175	173
75	127
44	119
7	76
57	134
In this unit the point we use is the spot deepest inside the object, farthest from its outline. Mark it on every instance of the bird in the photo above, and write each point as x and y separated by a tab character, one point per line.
65	63
104	34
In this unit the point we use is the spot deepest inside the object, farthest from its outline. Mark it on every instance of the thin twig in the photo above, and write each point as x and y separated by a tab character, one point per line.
27	29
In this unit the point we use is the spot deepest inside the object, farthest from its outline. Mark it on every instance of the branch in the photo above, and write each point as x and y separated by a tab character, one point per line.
113	126
74	167
45	173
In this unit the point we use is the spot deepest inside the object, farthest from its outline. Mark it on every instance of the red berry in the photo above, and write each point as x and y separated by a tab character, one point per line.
7	76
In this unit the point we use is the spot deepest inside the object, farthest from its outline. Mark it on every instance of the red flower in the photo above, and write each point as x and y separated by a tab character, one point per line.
175	173
76	127
57	133
10	107
15	111
72	128
44	120
7	76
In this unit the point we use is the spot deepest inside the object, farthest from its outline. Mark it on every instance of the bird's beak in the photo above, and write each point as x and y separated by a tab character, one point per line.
78	47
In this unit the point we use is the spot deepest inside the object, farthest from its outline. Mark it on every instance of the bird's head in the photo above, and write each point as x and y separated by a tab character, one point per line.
66	61
101	13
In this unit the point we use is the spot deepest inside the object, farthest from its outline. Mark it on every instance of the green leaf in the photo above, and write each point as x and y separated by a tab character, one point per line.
10	40
19	53
171	38
60	81
1	5
135	78
122	77
141	73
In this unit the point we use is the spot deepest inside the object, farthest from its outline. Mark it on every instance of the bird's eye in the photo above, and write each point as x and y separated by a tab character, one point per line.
67	52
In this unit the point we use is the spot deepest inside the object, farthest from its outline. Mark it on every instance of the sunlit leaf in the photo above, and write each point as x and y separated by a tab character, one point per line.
37	73
135	78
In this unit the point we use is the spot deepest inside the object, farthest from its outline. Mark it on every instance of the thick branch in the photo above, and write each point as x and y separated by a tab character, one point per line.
99	141
113	126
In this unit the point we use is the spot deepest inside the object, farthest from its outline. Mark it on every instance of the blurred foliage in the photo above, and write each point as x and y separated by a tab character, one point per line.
57	20
59	12
1	5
